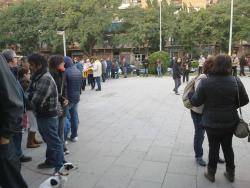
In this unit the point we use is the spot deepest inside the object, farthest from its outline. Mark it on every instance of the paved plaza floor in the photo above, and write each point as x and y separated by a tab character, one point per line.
137	134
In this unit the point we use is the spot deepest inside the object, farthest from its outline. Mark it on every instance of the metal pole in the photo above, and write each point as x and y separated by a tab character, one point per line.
231	29
160	29
64	43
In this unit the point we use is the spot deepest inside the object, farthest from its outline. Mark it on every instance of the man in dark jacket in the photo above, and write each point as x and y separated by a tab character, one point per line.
11	59
43	97
177	75
145	64
11	110
74	82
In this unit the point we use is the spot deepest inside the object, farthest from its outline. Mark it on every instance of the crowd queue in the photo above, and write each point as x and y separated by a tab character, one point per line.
42	95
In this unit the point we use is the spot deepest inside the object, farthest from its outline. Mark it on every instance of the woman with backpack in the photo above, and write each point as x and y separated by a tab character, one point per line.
219	94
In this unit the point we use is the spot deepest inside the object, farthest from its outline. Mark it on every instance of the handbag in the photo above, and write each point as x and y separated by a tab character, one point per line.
242	129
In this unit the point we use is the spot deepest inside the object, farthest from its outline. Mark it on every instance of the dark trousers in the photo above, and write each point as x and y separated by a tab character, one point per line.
137	72
92	81
242	71
177	83
215	139
98	82
199	132
234	71
10	166
83	84
74	120
185	76
103	77
200	70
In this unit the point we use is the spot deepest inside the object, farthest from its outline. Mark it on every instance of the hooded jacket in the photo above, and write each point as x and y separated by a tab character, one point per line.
73	80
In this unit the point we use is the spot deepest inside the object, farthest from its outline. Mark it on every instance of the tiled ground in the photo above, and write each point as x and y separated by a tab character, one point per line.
137	134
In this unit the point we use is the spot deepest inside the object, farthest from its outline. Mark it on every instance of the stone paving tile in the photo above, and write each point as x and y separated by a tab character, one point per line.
159	154
139	145
123	135
179	181
97	165
116	176
144	184
182	165
80	180
130	158
151	171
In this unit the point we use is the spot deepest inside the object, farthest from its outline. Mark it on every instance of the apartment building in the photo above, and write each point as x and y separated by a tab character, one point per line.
197	4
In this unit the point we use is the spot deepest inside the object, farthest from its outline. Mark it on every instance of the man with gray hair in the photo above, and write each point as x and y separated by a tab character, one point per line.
11	59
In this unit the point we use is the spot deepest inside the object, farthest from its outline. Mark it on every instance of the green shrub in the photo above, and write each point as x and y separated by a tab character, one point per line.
163	56
195	64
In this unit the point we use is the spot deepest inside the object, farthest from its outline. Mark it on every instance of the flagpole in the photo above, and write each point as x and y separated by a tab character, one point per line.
231	29
160	28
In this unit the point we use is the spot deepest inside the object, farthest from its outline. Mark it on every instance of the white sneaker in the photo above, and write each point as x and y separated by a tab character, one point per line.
74	139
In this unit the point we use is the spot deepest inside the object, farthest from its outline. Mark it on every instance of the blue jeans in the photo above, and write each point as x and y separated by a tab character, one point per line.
73	111
17	140
146	72
67	125
198	134
98	82
48	128
159	73
125	72
10	167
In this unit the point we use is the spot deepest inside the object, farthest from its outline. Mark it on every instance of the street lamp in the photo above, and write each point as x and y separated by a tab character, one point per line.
231	29
62	33
160	28
160	45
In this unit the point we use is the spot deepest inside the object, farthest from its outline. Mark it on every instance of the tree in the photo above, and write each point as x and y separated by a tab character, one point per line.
142	25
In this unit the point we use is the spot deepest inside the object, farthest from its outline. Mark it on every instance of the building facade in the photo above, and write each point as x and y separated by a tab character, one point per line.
197	4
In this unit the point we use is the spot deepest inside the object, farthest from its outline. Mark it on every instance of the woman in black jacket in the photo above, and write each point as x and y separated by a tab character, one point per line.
219	95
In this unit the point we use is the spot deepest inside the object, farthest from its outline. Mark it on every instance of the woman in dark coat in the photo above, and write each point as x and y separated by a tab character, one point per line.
219	95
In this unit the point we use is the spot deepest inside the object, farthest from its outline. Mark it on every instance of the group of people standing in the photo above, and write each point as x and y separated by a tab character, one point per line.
39	94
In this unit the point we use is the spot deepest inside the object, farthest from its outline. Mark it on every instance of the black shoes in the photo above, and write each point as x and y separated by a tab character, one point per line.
98	89
45	165
24	159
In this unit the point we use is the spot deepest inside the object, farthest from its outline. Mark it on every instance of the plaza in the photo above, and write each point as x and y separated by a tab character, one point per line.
136	133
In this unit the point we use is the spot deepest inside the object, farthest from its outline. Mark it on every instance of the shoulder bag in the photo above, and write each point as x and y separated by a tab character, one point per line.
242	129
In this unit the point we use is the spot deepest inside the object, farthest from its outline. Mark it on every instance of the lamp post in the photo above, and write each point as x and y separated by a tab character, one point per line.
160	29
231	29
160	45
62	33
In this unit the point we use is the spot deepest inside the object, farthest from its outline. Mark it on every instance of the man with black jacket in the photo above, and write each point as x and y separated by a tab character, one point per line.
11	110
